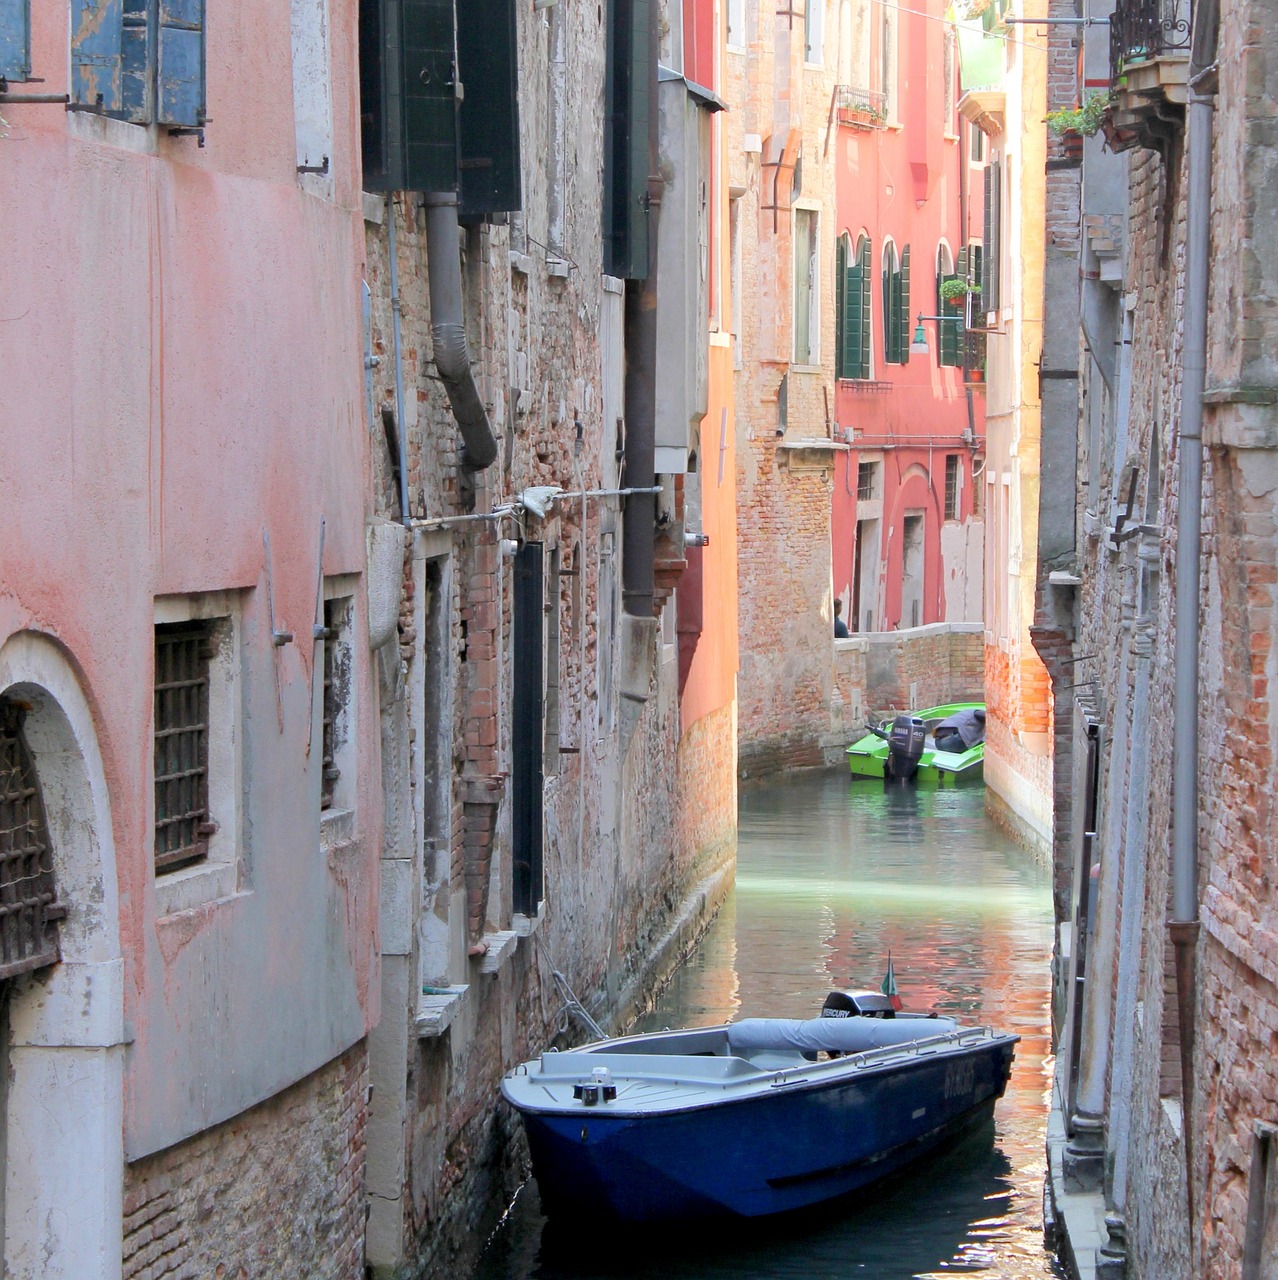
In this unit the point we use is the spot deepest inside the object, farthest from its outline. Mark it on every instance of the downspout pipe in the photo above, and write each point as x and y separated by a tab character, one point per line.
448	330
1184	923
639	531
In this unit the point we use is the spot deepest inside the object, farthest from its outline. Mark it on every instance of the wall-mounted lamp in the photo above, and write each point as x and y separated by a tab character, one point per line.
919	346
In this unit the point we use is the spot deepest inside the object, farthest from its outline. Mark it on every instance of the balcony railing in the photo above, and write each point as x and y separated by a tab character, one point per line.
1142	30
861	108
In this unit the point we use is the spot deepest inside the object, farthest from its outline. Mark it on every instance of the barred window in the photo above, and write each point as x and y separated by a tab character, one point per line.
951	486
866	481
28	896
182	821
334	614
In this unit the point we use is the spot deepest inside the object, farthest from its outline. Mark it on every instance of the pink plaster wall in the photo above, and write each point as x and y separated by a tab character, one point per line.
182	371
904	183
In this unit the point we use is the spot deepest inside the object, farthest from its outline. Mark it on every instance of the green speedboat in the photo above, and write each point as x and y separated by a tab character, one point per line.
868	756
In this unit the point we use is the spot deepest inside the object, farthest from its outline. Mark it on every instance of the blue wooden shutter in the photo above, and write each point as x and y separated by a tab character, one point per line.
180	63
903	307
137	81
15	40
96	27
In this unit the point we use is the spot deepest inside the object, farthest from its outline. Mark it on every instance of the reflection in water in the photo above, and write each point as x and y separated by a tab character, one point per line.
832	877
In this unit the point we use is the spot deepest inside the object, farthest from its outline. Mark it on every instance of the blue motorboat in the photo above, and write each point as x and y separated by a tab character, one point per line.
760	1116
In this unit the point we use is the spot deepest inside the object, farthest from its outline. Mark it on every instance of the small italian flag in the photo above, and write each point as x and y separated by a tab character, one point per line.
889	985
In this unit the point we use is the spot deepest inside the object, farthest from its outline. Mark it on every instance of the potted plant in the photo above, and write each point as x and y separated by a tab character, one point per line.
955	290
1073	124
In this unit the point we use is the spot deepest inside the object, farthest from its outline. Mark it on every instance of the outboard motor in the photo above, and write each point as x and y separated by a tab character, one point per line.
853	1004
905	742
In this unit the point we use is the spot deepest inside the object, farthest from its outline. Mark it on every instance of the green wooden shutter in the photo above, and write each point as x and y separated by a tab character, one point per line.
179	91
96	27
15	40
488	65
889	292
841	364
864	268
993	229
630	100
903	307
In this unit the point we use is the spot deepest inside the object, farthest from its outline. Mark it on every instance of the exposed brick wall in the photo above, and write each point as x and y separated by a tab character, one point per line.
278	1191
785	680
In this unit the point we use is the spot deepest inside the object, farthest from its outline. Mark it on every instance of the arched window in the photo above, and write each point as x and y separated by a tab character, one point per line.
28	896
852	307
896	304
953	310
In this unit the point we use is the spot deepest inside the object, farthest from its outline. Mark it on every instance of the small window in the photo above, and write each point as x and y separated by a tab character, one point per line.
734	238
977	136
806	288
813	31
866	481
952	486
28	932
736	24
334	611
182	821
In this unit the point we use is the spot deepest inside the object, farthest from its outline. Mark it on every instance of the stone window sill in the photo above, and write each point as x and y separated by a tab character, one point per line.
196	886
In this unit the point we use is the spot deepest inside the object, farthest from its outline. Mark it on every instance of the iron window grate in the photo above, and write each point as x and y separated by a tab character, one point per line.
333	613
28	894
951	486
865	481
182	822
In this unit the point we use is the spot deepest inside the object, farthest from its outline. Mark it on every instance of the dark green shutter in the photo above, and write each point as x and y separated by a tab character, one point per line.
889	311
630	103
96	28
408	95
993	229
841	362
429	77
949	342
15	40
488	65
864	269
903	307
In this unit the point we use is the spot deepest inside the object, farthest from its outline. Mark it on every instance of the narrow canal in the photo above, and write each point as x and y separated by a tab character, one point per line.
830	878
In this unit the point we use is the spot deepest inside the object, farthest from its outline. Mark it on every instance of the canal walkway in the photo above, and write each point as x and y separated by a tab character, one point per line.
832	877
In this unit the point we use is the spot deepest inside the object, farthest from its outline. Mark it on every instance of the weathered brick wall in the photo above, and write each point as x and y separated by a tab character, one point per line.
628	829
785	681
1236	1081
278	1191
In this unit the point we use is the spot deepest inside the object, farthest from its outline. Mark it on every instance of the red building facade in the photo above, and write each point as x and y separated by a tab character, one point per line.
906	528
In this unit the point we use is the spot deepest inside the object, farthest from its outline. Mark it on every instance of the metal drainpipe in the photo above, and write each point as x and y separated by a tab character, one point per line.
640	527
448	331
1183	926
401	428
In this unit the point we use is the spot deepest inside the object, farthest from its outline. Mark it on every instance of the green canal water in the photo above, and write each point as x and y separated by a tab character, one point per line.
831	877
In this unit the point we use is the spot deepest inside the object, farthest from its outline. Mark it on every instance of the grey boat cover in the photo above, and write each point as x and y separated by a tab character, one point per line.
833	1035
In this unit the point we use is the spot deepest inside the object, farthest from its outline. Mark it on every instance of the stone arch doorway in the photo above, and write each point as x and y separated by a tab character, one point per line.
63	1119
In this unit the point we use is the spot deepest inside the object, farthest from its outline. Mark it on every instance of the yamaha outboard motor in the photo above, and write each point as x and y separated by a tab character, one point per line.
905	742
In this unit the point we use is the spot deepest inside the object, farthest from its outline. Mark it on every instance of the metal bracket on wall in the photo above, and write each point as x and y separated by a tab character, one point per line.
278	638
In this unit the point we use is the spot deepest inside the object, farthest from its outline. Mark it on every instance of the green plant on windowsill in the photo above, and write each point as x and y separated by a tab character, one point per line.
956	289
1086	119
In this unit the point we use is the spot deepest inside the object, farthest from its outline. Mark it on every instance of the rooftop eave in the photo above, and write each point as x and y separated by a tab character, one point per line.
986	109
